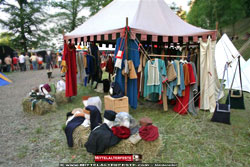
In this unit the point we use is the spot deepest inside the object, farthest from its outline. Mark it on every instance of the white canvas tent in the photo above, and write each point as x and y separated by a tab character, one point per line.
225	52
146	17
152	21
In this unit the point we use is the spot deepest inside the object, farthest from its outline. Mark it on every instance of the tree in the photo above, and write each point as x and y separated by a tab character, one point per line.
6	38
205	13
68	17
96	5
25	21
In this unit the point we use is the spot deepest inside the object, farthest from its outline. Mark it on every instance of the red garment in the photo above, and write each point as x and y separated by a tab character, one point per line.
181	106
110	65
15	59
149	133
121	132
69	55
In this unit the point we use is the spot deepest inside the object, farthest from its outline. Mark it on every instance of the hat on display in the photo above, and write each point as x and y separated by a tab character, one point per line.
115	90
145	121
121	132
149	133
124	119
110	115
45	89
93	101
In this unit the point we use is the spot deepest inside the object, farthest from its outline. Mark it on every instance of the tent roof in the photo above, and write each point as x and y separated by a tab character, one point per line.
149	17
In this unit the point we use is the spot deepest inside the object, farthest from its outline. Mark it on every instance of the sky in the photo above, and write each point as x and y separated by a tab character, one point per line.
85	12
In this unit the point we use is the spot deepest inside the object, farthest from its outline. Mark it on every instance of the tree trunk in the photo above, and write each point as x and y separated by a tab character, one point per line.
23	37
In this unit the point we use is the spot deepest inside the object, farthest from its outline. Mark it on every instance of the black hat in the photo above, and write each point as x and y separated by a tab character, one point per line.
109	115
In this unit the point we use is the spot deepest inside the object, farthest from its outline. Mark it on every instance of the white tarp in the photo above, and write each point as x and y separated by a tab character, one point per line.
226	52
148	16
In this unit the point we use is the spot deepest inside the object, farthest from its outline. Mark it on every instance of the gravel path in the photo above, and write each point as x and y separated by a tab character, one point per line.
23	135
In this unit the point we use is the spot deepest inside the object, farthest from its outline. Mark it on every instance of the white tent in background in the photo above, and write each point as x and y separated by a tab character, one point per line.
225	51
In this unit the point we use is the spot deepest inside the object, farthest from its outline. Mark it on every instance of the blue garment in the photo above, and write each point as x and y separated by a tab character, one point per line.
148	89
95	116
120	79
182	86
172	84
90	63
74	123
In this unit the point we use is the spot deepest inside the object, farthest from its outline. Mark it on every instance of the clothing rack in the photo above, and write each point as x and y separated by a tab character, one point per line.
155	55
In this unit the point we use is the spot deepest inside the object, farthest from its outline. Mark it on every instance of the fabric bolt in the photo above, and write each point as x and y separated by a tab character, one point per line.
74	123
182	104
148	89
133	55
100	139
193	90
95	116
176	88
69	56
172	84
149	133
121	131
153	73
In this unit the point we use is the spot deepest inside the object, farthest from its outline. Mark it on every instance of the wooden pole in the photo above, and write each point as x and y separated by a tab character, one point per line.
126	51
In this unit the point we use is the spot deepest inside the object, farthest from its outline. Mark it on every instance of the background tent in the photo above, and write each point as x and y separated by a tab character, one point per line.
4	80
145	17
5	51
226	52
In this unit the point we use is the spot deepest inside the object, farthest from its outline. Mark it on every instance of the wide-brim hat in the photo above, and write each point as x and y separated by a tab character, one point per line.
109	115
149	133
121	132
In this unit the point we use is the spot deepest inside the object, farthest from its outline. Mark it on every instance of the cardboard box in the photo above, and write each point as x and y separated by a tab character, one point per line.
116	104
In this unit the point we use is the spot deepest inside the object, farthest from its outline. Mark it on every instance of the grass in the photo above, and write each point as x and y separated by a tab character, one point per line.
187	141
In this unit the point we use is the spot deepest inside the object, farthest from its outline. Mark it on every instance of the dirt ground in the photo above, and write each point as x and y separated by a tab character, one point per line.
24	137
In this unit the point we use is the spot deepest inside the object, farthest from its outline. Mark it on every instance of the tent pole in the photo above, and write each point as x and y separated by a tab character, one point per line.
126	50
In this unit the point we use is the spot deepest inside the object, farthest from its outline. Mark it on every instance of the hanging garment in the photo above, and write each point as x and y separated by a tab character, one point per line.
69	63
171	73
176	88
100	139
74	123
148	89
172	84
182	83
153	73
193	90
110	65
80	68
132	83
182	103
209	83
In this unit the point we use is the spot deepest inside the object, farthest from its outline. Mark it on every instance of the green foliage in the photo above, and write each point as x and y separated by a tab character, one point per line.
5	39
67	18
205	13
24	21
96	5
